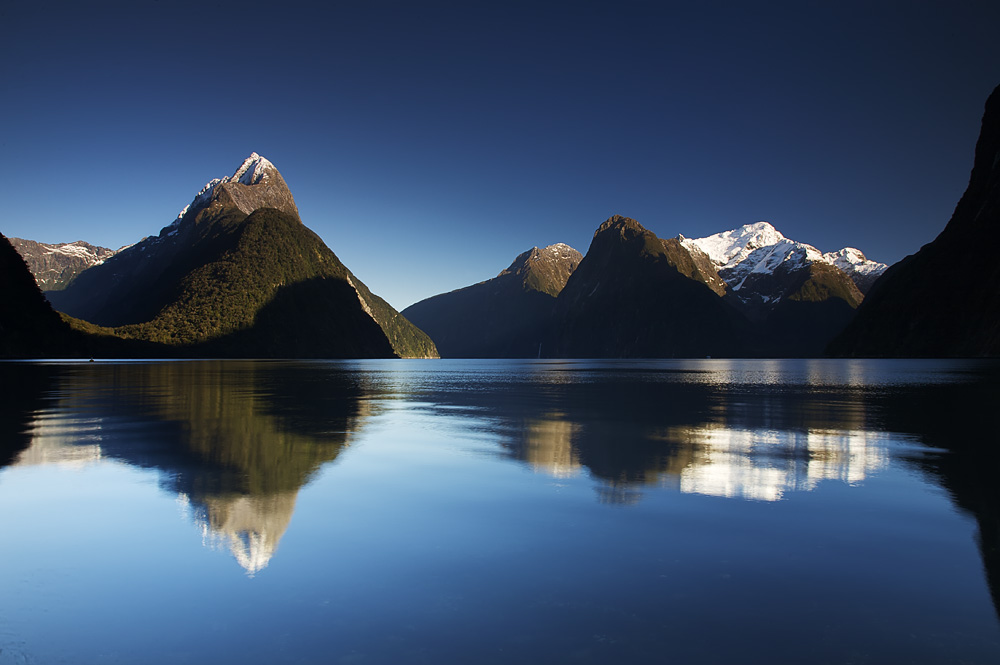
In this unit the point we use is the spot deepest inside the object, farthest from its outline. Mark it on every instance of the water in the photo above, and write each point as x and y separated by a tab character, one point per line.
497	512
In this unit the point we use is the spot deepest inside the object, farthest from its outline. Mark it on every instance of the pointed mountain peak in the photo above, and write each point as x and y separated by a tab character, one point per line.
267	189
728	248
850	254
752	250
546	269
761	227
557	253
621	224
862	270
253	170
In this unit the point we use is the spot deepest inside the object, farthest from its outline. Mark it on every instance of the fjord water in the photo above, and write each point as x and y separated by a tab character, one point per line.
712	511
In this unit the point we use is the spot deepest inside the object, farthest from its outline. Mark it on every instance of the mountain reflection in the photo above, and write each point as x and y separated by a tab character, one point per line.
753	430
548	446
713	459
764	465
235	441
687	430
249	526
24	390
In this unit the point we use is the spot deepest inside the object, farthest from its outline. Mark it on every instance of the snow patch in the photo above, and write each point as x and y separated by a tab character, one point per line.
73	250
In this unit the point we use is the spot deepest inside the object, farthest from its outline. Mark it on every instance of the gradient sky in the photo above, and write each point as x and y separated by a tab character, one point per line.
429	143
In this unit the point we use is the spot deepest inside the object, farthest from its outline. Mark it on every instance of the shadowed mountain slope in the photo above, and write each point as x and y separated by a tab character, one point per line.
504	317
29	327
945	299
635	295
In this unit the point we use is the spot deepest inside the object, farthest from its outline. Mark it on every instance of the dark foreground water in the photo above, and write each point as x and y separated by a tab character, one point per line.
500	512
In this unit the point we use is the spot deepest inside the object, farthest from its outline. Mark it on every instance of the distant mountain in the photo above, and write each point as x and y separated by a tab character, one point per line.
745	292
943	301
635	295
760	266
238	274
862	270
56	265
504	317
799	297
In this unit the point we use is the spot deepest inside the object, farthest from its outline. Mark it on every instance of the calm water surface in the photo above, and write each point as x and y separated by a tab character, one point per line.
500	512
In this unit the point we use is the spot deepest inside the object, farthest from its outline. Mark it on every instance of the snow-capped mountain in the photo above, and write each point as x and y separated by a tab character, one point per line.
56	265
255	184
255	170
760	249
239	274
862	270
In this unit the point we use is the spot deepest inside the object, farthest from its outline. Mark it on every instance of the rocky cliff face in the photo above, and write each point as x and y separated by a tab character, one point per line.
56	265
945	299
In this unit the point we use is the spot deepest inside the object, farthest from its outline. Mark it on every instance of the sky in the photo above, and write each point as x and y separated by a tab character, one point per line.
429	143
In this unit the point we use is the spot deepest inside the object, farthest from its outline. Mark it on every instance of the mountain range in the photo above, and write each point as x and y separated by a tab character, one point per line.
761	267
749	291
56	265
237	273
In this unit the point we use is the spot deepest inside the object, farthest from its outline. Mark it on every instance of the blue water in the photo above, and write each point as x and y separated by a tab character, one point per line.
499	512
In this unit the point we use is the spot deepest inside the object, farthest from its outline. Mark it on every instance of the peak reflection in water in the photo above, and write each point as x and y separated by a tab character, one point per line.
747	431
750	429
436	532
234	440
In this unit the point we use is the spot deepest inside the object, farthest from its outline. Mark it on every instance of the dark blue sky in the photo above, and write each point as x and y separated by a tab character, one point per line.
430	143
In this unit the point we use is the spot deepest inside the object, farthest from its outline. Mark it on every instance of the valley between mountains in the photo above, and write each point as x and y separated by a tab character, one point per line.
238	274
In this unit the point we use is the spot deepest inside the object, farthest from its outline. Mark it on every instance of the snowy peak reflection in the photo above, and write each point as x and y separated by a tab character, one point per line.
715	460
764	465
58	440
692	427
234	440
25	391
248	526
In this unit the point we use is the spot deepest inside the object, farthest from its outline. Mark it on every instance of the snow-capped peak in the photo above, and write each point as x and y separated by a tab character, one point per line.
760	248
253	170
728	248
559	251
851	260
